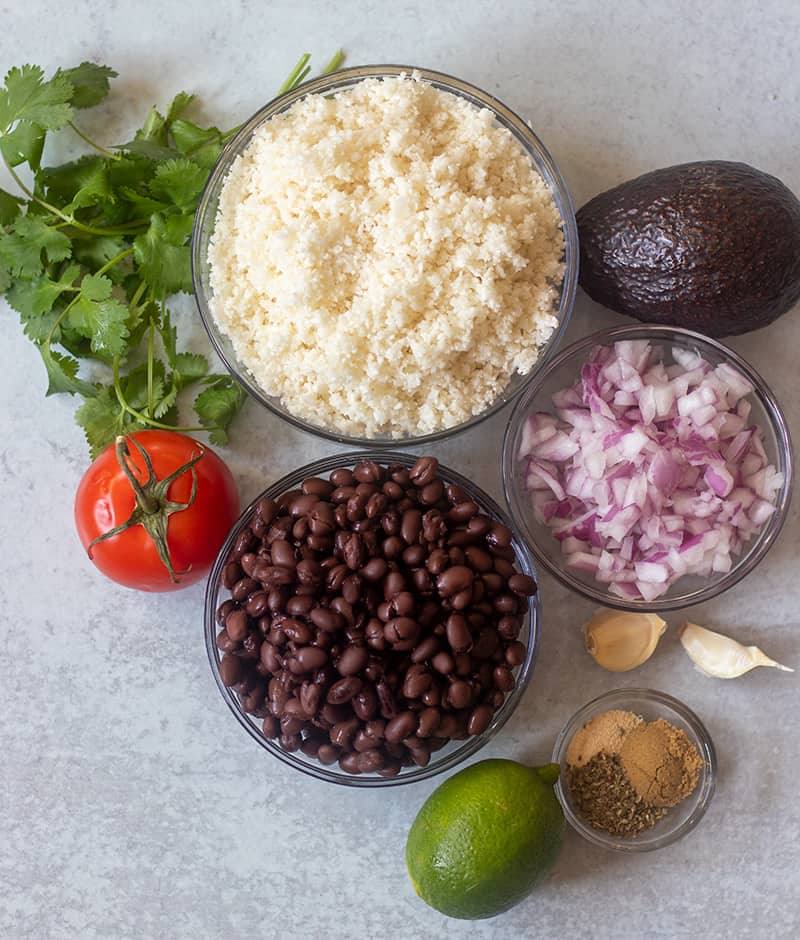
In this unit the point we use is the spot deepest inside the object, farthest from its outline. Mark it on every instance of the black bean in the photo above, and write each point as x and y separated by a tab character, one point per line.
503	678
424	471
327	754
429	719
343	731
225	643
270	727
454	579
425	649
317	487
352	660
326	619
444	663
343	690
236	625
307	658
522	584
401	726
458	634
230	669
401	630
411	526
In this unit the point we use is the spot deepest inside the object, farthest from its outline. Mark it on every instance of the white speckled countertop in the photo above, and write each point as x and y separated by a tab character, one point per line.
133	805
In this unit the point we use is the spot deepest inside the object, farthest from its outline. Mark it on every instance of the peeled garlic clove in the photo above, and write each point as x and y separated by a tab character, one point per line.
621	641
720	656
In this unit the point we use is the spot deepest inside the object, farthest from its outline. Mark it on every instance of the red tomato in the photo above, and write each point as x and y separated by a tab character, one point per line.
106	499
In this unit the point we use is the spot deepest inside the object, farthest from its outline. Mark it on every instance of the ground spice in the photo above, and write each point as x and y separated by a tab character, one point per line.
661	762
605	798
603	733
624	772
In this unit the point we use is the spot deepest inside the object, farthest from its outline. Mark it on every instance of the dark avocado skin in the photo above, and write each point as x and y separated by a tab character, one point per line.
711	246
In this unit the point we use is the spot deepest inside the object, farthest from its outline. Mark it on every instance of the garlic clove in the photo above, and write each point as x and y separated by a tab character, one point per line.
620	641
720	656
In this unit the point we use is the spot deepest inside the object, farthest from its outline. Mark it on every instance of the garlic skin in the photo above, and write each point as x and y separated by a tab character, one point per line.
620	640
720	656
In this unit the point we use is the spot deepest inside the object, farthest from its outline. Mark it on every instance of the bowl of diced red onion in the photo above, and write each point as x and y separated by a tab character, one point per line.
648	467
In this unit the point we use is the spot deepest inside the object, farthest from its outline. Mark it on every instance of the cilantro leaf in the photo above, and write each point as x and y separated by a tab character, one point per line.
9	207
28	97
178	228
169	337
79	184
135	388
89	83
32	299
163	265
22	248
217	405
179	182
145	204
149	149
191	367
202	144
178	105
102	418
154	128
62	374
23	145
99	317
93	253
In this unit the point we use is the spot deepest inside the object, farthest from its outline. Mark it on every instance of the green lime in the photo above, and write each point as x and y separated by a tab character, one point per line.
485	838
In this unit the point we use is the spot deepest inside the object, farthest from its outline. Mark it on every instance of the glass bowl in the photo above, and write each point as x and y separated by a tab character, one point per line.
452	753
678	820
561	371
328	85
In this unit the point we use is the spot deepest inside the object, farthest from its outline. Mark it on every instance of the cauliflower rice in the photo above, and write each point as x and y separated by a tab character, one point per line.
384	260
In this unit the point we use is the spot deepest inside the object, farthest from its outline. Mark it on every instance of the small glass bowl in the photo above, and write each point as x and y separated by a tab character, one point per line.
329	85
452	753
678	820
562	371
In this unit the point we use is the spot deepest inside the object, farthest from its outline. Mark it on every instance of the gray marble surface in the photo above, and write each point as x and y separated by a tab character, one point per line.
133	805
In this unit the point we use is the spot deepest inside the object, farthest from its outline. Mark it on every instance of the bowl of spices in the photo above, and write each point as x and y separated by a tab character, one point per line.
638	769
372	619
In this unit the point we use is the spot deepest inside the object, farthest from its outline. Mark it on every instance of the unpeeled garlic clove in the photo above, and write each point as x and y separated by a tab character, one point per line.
720	656
621	641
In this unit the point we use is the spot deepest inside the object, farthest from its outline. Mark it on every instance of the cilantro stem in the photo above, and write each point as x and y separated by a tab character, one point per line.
295	75
91	143
150	345
334	64
137	296
145	419
115	260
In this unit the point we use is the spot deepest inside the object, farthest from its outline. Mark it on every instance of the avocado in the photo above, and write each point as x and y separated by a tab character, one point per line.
712	246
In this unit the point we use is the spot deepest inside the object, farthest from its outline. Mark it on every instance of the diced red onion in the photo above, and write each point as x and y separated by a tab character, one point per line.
649	472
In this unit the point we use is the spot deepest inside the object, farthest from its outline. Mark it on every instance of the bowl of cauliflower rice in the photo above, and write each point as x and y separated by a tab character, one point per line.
385	254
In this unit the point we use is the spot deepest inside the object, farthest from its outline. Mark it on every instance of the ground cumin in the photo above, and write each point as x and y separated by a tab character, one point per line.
661	763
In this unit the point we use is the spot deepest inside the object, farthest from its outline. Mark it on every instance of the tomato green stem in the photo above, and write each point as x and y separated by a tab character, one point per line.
152	508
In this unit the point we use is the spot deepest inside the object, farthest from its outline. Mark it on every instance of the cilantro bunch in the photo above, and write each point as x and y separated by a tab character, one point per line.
91	250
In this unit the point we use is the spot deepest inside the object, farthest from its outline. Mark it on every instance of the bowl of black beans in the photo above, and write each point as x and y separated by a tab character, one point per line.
372	619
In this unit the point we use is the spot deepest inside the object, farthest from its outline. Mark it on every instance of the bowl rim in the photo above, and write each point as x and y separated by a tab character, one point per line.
628	698
464	749
527	138
763	541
